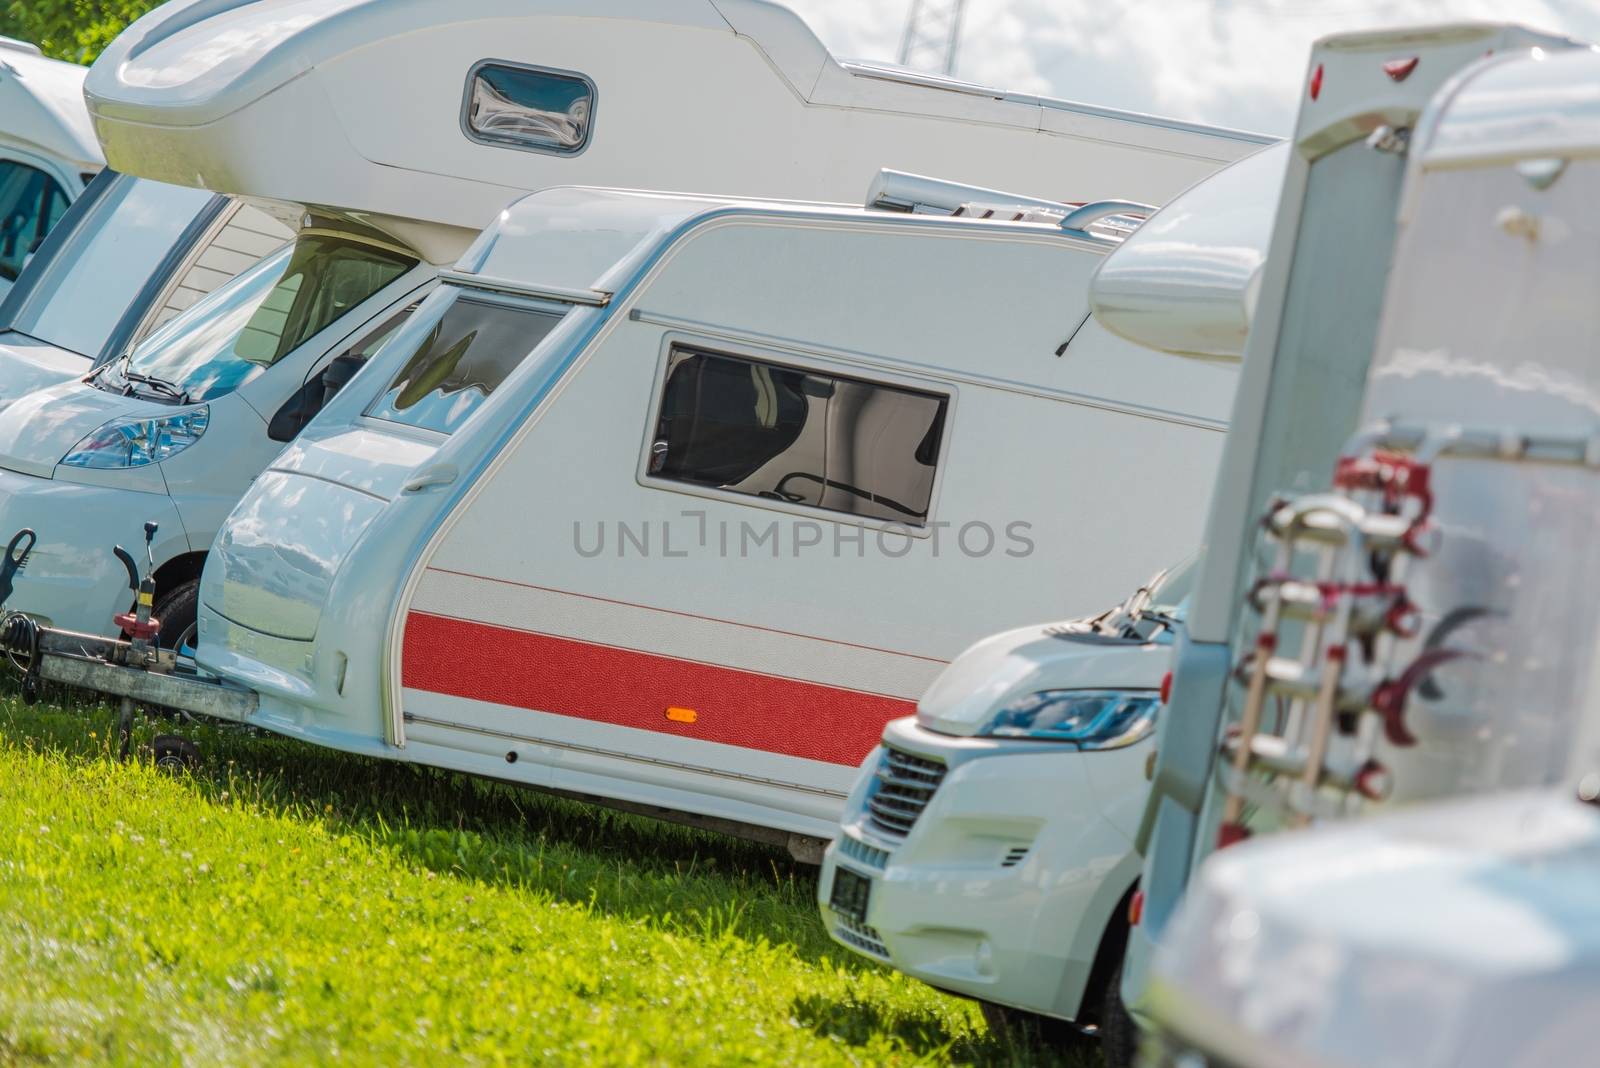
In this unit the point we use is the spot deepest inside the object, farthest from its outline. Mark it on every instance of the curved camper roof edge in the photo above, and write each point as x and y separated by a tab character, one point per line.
582	242
42	106
1514	106
298	101
1185	282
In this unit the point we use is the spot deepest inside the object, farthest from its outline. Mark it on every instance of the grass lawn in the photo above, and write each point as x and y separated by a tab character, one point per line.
290	904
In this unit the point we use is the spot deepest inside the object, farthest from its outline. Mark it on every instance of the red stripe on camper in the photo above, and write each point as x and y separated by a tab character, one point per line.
627	688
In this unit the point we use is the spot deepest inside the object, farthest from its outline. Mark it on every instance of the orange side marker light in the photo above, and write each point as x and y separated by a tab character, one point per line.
682	715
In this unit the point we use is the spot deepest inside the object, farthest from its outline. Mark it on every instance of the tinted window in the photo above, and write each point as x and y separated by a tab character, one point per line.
322	385
460	361
798	436
263	315
30	204
529	107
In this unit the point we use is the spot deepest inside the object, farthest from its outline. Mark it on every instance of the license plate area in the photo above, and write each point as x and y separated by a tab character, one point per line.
850	894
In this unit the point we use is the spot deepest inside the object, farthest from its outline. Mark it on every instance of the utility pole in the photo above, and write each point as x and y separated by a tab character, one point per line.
933	32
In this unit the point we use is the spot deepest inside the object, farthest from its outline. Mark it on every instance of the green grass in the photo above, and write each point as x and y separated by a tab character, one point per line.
290	904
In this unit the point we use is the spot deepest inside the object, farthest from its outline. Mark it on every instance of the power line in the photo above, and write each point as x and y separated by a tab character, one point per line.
933	35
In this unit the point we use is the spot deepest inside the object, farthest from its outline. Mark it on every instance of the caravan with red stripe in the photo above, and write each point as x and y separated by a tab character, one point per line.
674	502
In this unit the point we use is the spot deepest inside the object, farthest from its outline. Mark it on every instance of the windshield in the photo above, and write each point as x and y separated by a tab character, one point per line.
465	354
259	318
112	252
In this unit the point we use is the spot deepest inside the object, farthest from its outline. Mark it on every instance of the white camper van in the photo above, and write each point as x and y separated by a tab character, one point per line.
995	859
128	256
388	148
1313	677
646	503
1460	935
48	152
986	847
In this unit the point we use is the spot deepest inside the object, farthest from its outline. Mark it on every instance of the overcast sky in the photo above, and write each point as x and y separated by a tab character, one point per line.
1232	62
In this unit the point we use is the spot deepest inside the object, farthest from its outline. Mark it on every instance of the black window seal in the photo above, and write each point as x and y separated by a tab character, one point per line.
523	146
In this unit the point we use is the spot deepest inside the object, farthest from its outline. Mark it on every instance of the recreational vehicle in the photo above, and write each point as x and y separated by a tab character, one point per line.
128	256
1463	934
388	135
48	152
986	847
993	858
646	503
1333	637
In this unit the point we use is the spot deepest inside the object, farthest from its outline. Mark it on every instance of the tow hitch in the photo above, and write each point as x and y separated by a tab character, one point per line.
137	671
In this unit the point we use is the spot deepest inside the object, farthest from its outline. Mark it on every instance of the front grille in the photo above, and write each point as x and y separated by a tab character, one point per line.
1014	856
857	850
905	786
860	936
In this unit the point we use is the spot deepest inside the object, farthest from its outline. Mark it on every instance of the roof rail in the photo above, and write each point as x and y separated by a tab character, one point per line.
1121	216
898	191
919	195
14	45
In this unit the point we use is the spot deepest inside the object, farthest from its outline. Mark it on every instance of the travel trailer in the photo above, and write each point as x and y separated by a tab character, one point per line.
1461	934
1327	629
987	845
997	861
387	149
617	515
48	152
128	256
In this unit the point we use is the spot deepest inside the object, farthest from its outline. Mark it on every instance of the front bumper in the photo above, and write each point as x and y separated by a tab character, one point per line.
72	580
1005	883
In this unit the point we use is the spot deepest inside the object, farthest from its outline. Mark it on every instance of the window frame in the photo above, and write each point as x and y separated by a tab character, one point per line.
546	305
674	342
522	146
53	175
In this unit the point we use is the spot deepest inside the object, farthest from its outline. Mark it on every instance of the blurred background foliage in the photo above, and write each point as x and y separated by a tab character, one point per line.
75	30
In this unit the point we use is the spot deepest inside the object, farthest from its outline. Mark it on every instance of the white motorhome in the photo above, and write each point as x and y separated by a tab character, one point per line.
48	152
1323	643
1008	879
644	503
387	135
1458	935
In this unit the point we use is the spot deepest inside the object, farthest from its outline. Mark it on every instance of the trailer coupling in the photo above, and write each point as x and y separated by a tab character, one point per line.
136	672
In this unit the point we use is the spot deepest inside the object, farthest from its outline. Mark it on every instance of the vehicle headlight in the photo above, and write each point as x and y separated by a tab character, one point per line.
1092	719
137	442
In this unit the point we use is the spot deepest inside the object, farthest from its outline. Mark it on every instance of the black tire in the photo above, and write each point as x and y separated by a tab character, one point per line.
1026	1031
174	754
179	612
1119	1035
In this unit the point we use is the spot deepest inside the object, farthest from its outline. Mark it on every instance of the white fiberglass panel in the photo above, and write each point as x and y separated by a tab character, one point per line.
1186	280
279	551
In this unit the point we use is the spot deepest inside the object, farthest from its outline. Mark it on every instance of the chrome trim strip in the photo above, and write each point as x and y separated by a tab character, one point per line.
563	294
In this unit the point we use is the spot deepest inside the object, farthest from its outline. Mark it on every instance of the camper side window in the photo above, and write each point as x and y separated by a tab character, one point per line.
30	204
783	433
465	355
528	107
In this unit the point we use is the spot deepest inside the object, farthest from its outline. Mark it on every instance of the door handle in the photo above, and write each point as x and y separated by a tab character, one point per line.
438	475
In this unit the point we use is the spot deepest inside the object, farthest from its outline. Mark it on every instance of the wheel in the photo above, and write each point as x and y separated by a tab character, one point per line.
179	612
1029	1031
1119	1035
175	754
